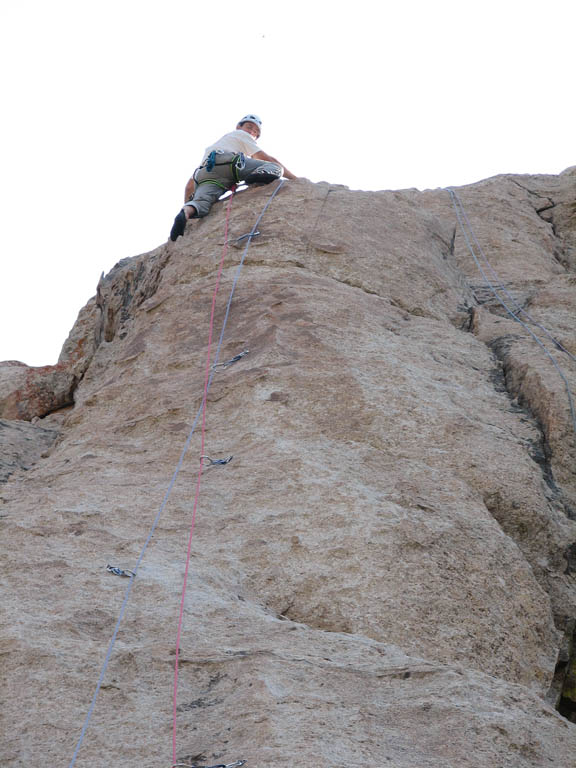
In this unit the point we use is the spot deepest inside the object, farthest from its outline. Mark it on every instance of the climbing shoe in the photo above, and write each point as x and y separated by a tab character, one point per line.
179	226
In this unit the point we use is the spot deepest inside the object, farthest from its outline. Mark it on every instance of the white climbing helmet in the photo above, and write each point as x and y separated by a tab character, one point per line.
251	119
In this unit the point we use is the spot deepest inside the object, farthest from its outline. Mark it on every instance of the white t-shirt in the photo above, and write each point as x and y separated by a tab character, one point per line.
235	141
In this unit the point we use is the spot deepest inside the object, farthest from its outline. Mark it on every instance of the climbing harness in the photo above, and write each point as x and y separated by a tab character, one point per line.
225	460
238	163
120	571
222	366
168	492
470	238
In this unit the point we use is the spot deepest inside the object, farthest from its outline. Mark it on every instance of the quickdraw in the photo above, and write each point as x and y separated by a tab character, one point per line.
251	235
222	366
248	234
120	571
225	460
238	164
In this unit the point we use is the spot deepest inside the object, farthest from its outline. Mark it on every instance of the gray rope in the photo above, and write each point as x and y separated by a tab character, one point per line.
169	490
456	202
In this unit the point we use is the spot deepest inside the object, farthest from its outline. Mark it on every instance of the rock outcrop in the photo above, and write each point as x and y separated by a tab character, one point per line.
384	574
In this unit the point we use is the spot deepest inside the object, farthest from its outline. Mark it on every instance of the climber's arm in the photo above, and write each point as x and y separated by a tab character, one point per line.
189	191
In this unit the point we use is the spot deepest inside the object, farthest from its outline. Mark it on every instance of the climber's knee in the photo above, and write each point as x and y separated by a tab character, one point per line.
264	174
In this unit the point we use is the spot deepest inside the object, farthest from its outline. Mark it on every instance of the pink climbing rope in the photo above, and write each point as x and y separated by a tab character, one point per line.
197	494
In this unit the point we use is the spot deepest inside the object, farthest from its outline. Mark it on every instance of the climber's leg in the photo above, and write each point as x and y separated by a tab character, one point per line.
259	172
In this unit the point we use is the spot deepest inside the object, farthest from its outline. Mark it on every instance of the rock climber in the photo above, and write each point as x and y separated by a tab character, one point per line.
233	158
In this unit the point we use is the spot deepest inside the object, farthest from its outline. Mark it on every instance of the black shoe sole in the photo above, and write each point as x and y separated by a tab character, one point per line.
178	227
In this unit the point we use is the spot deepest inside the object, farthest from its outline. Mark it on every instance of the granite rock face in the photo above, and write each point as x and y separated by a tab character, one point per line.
384	572
22	445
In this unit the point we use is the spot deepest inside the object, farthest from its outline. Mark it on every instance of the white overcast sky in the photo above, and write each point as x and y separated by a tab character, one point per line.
107	107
